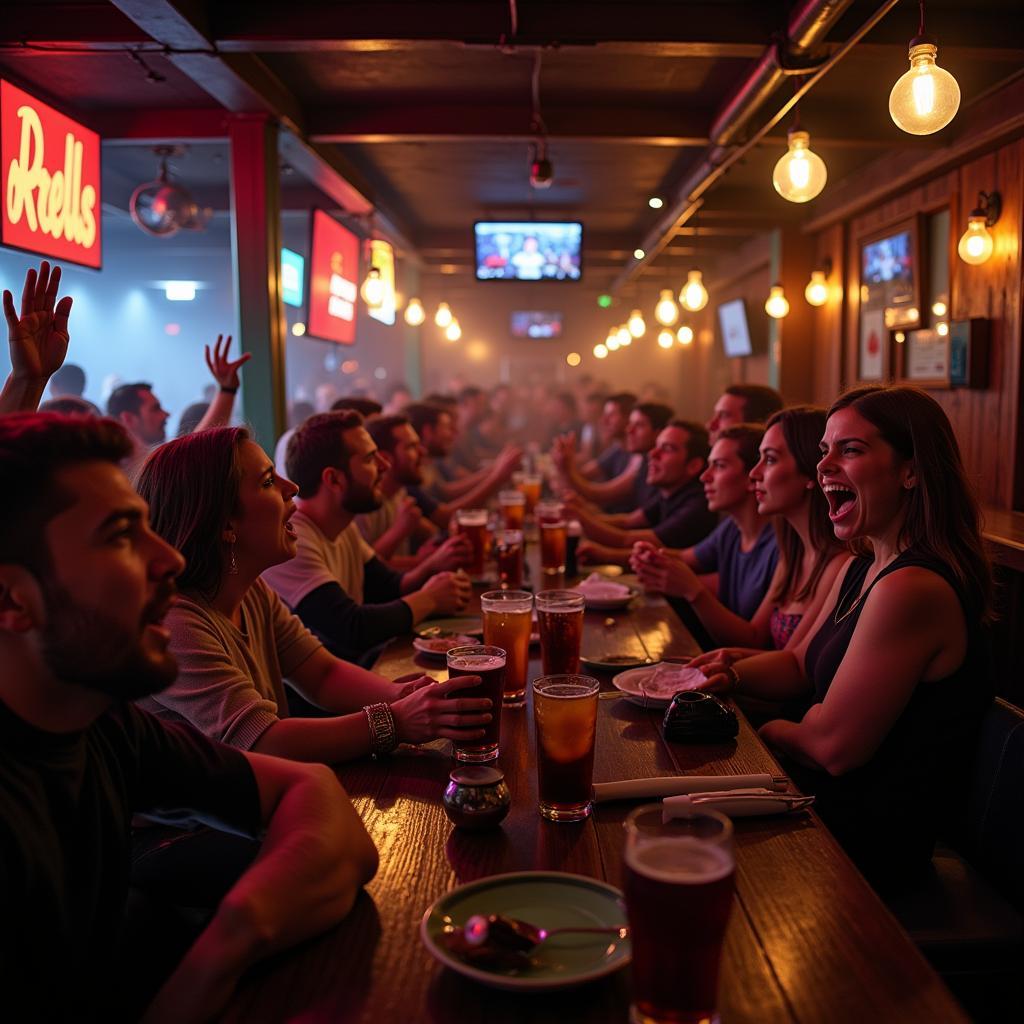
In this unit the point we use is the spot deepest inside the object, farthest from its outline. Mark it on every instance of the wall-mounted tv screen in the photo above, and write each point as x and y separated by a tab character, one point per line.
528	251
732	318
536	323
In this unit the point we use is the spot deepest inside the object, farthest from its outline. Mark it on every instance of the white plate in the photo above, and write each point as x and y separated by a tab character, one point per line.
425	646
550	899
607	604
630	683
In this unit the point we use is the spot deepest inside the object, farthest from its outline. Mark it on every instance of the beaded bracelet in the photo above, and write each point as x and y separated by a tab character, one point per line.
383	735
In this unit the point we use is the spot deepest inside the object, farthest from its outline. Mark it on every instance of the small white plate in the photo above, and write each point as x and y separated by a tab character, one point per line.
633	684
438	647
607	604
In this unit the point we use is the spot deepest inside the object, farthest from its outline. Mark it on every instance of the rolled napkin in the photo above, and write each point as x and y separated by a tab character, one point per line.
600	588
737	803
674	785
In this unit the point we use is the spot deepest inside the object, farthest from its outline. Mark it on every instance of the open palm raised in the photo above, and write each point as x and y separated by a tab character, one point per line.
39	334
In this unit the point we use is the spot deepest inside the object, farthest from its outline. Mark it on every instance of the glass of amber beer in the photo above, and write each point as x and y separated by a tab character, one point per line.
530	485
554	536
508	554
565	715
513	508
473	523
560	620
507	621
678	881
489	664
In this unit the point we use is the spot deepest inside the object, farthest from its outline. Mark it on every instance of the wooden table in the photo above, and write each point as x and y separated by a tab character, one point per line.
808	940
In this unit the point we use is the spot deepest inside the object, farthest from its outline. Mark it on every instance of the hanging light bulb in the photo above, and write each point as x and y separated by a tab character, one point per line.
415	314
800	174
665	338
636	325
942	328
373	288
685	335
625	338
925	98
443	317
453	331
776	306
601	351
612	342
816	292
693	295
666	312
976	243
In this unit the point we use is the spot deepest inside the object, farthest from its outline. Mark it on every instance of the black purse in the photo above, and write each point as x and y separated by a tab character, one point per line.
696	717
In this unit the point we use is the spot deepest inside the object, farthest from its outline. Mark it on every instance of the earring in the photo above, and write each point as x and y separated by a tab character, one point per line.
811	485
232	561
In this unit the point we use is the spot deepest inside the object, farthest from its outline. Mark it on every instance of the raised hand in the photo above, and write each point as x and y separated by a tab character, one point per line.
224	370
38	335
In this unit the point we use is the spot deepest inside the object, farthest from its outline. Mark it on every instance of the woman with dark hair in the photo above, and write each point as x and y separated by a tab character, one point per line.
898	660
809	556
215	496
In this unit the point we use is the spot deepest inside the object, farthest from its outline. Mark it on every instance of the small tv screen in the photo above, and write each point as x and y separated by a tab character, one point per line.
536	323
528	251
732	318
889	259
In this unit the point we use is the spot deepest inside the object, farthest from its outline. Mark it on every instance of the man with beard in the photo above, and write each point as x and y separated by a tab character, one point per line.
84	585
336	583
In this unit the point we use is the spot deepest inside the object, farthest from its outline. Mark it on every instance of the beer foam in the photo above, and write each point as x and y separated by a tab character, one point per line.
476	662
680	860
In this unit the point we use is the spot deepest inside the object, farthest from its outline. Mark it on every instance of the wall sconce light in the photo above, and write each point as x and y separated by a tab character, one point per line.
976	243
777	305
373	289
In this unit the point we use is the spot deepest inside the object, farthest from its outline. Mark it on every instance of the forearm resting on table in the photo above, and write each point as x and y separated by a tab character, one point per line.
802	741
339	686
773	675
317	740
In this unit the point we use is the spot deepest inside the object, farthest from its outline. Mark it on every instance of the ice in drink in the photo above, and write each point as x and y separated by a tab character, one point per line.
553	537
560	621
473	523
507	623
508	554
513	508
565	715
489	664
678	884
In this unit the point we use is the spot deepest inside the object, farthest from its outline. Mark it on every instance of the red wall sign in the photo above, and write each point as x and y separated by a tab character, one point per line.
50	167
333	277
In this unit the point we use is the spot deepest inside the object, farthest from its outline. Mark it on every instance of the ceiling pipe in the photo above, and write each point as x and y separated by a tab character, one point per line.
805	30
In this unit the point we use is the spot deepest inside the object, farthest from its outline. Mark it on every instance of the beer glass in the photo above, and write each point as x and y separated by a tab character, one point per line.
473	523
548	511
565	715
530	485
678	881
560	620
508	554
507	621
513	508
489	664
553	540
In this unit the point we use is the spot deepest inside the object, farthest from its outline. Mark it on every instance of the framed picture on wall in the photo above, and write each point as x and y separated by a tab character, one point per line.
873	354
925	359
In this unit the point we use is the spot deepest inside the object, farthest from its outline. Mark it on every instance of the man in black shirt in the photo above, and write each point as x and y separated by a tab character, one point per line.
84	584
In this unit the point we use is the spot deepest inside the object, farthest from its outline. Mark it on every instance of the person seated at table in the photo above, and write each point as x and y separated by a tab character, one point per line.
336	584
84	585
744	403
366	407
216	498
898	660
631	489
810	556
677	517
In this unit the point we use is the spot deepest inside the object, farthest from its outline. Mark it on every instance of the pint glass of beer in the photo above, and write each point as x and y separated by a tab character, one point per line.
678	881
565	715
489	664
473	523
560	620
530	485
513	508
548	511
508	554
507	620
553	539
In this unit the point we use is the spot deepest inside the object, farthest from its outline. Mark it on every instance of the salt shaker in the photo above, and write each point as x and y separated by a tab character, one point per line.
476	796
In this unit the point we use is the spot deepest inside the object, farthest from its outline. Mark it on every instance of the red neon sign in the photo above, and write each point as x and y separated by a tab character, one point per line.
333	277
50	173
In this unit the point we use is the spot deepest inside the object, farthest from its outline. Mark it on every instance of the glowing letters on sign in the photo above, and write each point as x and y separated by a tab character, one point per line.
49	208
334	271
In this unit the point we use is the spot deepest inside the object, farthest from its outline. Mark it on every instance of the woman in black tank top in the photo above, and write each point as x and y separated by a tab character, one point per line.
897	664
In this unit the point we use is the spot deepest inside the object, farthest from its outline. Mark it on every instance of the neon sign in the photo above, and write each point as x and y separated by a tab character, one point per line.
334	271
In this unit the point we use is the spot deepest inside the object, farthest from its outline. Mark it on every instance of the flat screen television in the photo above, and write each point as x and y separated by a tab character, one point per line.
528	251
536	323
732	319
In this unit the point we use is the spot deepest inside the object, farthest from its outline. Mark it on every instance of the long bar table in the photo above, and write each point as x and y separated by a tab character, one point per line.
808	941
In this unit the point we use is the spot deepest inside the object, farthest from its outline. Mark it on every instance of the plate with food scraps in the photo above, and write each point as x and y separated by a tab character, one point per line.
654	687
461	626
439	646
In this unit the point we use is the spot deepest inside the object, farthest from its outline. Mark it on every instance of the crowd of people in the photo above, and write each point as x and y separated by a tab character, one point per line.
157	596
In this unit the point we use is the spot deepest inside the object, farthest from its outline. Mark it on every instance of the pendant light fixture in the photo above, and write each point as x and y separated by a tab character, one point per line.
625	338
975	245
665	338
415	314
800	174
666	312
636	324
685	335
612	341
443	317
453	331
373	288
927	97
816	292
600	352
693	295
777	305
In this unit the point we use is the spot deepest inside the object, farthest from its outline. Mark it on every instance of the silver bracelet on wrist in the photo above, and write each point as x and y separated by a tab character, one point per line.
383	734
734	679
